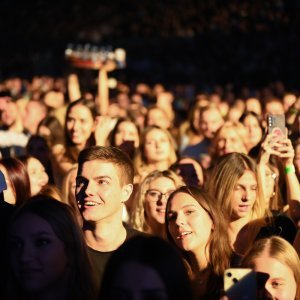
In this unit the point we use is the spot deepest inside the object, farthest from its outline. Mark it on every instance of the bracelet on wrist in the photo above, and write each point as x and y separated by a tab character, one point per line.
289	169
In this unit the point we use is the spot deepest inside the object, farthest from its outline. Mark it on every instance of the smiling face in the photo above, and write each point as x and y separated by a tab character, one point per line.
188	223
37	255
80	124
244	195
157	146
156	199
99	191
281	283
37	175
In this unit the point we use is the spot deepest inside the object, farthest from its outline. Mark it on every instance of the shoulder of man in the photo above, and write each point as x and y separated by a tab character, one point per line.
131	232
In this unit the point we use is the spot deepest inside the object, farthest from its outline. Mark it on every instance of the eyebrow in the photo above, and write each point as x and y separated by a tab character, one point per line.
94	178
185	206
101	177
242	185
278	278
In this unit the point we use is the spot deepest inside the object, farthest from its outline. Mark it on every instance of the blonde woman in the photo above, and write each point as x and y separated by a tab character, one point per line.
234	185
280	261
150	206
157	151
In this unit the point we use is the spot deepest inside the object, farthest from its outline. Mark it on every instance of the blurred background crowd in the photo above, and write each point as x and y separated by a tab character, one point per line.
204	43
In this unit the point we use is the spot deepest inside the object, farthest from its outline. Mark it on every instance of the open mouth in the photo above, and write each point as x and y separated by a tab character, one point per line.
183	235
91	203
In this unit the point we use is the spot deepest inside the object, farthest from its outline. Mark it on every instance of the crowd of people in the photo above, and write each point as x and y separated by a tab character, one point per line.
113	195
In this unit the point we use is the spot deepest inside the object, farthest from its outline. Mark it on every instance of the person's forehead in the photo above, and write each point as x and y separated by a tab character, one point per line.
99	167
211	113
272	104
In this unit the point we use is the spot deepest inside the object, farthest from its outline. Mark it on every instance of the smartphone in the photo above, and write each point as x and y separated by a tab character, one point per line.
276	124
240	284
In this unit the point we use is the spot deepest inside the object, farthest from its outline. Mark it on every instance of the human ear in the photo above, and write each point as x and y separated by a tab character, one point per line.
126	192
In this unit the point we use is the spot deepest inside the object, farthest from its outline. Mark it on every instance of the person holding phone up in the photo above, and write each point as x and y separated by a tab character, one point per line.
280	146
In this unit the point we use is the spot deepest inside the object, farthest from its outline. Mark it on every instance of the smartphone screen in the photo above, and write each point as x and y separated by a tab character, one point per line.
276	125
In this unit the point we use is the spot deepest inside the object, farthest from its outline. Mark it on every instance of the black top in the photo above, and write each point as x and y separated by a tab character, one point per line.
99	259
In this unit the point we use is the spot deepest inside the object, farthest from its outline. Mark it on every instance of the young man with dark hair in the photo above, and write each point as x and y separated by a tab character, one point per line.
103	183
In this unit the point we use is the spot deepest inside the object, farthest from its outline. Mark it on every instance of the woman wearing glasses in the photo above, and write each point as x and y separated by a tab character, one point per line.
150	205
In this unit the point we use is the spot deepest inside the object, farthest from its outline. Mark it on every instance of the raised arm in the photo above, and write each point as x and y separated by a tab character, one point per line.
286	156
73	87
102	100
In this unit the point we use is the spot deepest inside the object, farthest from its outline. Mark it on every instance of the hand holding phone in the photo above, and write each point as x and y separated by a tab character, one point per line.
245	284
240	284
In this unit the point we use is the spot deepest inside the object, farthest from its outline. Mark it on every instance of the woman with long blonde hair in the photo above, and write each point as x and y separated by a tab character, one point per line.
150	205
233	183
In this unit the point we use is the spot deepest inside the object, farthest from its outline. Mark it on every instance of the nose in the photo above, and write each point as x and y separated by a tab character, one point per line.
75	125
163	198
267	293
89	189
226	143
26	253
246	195
180	220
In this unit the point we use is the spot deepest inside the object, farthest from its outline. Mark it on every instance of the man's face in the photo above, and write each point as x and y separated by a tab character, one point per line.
99	191
210	121
33	115
9	114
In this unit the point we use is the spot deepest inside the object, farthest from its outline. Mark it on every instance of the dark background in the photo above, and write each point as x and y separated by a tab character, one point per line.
207	42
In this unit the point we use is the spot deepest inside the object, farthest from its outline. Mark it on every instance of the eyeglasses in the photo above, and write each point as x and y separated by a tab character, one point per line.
155	195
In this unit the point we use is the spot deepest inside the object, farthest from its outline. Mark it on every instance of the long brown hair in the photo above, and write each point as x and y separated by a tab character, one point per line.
223	178
18	177
220	252
81	283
